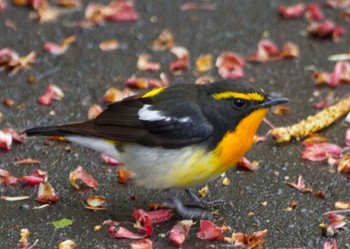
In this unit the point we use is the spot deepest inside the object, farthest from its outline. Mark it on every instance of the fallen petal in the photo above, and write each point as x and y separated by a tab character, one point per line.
109	160
142	244
38	176
144	64
94	111
122	232
81	174
179	232
292	11
209	231
46	193
67	244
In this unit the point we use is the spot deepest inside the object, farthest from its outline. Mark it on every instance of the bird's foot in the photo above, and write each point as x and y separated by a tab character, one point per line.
200	202
187	212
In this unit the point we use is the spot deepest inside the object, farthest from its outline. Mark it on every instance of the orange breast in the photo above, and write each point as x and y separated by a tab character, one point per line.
237	142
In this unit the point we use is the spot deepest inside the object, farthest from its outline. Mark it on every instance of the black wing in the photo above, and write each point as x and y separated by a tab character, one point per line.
178	124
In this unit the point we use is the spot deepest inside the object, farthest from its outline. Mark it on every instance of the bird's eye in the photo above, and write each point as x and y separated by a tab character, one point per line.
239	104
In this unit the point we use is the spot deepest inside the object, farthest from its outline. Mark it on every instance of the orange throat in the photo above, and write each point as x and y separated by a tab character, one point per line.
237	142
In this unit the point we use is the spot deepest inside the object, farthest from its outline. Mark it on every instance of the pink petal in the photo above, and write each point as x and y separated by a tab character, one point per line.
326	29
340	68
145	83
54	48
160	215
182	62
314	12
179	232
3	5
300	185
81	174
245	163
347	137
290	50
266	50
5	140
230	65
17	136
37	177
6	178
94	111
328	245
122	232
209	231
53	92
144	64
46	193
142	244
292	11
336	220
321	104
197	6
338	4
109	160
143	221
321	151
122	11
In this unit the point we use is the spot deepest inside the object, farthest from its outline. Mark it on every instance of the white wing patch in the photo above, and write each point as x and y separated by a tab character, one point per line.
146	114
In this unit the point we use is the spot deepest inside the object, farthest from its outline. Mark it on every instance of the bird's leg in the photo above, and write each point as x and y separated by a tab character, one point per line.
186	212
200	202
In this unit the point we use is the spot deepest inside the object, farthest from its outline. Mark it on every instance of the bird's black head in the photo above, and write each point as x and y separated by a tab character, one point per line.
231	102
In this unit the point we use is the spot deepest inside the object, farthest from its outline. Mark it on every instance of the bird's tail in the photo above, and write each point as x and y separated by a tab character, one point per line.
59	131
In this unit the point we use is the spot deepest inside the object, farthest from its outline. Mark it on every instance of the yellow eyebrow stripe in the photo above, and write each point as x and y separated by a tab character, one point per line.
248	96
153	92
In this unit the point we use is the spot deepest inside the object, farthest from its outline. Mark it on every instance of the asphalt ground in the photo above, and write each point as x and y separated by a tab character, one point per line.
255	200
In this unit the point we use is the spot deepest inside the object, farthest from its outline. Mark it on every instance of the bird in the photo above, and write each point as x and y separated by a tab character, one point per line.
176	137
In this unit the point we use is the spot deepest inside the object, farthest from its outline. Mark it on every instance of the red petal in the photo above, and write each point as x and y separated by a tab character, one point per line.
197	6
3	5
292	11
123	10
321	151
314	12
209	231
160	215
340	68
37	177
54	48
143	221
338	4
182	62
144	64
328	245
81	174
266	51
46	193
5	140
16	136
179	232
245	163
6	178
121	232
53	92
144	83
347	137
109	160
142	244
230	65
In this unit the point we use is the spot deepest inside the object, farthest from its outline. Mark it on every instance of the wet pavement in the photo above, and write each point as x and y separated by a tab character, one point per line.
255	200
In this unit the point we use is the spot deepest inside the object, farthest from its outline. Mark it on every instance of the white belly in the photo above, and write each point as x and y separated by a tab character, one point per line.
156	167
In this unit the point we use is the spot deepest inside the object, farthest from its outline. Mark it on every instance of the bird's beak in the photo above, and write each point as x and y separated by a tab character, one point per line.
272	101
